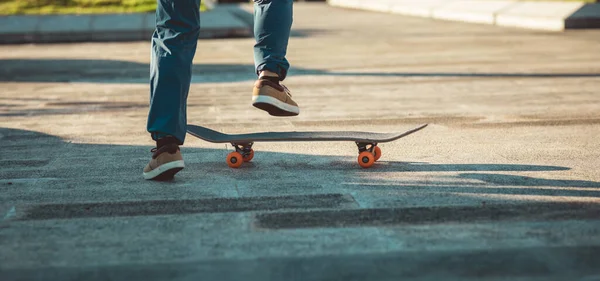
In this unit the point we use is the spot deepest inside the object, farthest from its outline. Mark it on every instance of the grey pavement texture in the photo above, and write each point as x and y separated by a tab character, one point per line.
504	184
539	15
223	21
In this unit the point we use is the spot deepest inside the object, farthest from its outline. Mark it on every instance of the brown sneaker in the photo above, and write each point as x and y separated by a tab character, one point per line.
165	163
273	97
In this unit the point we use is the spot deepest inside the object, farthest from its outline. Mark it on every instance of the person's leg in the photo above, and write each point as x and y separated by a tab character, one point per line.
272	25
173	48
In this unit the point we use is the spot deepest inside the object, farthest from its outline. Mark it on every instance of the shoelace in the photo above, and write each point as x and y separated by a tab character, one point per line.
276	81
286	90
167	148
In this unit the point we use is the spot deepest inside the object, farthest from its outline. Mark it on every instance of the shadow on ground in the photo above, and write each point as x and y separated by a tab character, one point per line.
58	107
49	169
113	71
514	263
48	185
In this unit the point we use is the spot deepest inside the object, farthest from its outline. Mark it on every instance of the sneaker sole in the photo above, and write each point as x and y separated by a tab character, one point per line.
274	106
165	171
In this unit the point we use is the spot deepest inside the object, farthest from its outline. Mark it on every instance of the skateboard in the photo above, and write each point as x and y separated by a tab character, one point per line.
368	151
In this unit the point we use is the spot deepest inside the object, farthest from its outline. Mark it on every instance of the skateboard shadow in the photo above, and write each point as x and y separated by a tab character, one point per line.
117	71
431	167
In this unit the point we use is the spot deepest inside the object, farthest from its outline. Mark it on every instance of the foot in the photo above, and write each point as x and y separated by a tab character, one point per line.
166	162
274	98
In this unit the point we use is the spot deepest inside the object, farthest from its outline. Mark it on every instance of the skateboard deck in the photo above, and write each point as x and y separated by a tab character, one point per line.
367	142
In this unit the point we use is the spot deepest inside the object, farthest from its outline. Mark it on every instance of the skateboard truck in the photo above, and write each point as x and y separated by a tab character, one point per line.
243	153
368	153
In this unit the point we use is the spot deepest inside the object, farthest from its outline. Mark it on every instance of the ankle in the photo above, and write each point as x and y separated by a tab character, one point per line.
267	73
166	141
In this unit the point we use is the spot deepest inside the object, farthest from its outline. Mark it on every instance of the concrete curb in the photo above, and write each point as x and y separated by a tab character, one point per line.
542	15
472	11
222	21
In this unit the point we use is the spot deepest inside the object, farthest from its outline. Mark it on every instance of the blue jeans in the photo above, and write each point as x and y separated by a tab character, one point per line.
173	48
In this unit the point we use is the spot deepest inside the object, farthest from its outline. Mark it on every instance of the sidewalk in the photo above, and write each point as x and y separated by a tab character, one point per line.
539	15
220	22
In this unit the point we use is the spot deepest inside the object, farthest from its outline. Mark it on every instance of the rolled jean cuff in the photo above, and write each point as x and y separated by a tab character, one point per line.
273	67
159	135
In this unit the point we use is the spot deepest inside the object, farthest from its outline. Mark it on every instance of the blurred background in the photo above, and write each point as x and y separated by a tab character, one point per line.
16	7
19	7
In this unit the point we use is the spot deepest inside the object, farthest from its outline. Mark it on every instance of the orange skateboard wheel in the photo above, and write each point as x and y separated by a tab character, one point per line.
366	159
249	157
234	159
377	153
